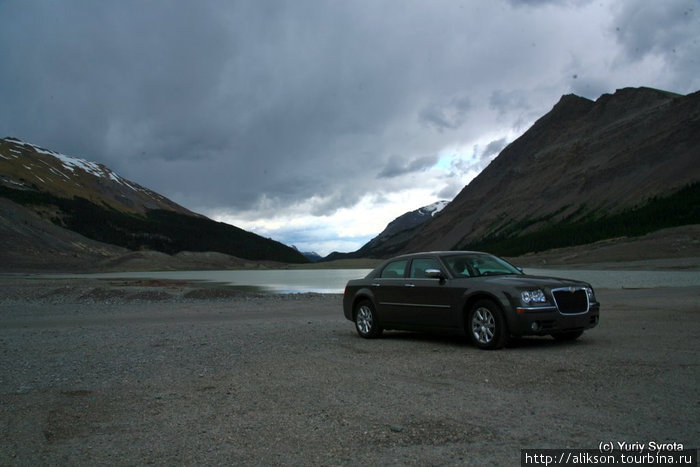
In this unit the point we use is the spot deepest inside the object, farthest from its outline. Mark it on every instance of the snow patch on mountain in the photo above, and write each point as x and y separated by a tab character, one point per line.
69	176
435	208
71	164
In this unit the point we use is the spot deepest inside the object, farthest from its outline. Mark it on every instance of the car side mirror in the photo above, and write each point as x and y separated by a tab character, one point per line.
435	274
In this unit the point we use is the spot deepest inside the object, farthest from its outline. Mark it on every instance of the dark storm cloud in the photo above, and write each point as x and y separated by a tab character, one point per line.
266	106
86	72
505	101
252	97
397	165
493	148
237	87
664	30
658	27
448	117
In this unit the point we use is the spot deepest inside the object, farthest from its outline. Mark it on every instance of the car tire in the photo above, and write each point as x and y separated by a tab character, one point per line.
486	326
567	336
366	320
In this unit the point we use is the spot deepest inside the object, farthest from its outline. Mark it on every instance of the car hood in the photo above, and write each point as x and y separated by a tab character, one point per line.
525	280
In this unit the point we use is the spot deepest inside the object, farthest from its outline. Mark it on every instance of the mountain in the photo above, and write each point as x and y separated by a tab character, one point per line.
396	234
310	255
70	201
624	165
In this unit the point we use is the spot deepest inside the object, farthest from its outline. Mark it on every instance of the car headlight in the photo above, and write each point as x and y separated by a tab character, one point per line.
590	293
530	297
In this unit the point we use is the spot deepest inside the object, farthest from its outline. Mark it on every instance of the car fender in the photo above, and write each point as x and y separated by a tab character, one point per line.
472	296
364	293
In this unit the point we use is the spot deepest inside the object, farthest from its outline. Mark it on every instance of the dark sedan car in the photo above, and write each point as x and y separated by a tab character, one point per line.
468	292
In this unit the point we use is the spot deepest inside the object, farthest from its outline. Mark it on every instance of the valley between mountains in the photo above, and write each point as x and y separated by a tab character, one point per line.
618	175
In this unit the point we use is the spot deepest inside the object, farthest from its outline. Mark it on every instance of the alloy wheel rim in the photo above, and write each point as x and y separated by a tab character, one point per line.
483	325
364	319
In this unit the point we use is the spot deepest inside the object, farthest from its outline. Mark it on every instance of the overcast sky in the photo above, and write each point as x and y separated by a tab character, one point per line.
317	122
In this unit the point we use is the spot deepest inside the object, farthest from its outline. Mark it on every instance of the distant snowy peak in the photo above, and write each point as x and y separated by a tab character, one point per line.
310	255
412	219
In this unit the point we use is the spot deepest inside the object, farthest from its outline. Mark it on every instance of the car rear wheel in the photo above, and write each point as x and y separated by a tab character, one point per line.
366	320
567	336
486	326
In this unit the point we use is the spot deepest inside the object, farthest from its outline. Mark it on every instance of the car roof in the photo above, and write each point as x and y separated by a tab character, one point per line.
436	253
424	254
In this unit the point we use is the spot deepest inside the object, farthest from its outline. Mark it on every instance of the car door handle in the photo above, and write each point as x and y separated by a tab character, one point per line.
409	285
376	284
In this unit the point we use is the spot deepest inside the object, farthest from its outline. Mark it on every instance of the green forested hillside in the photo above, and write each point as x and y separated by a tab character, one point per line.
680	208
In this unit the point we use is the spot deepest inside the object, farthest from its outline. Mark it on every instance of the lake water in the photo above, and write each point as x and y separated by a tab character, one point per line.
333	280
328	281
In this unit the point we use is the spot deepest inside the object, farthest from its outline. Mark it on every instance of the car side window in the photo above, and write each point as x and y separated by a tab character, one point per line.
394	270
420	265
461	266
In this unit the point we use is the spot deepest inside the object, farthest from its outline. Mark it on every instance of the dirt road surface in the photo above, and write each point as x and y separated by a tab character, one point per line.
96	372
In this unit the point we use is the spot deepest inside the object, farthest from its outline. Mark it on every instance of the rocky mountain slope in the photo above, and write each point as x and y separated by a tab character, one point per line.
59	210
625	164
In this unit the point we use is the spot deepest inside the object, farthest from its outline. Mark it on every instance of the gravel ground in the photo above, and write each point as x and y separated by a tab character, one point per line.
146	372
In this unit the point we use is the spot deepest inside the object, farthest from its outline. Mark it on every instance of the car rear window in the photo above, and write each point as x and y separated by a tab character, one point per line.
395	269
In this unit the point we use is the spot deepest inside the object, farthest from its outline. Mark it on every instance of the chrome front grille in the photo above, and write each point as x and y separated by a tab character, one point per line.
570	300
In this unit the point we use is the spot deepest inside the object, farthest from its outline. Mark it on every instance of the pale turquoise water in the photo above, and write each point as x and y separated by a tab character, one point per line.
271	280
334	280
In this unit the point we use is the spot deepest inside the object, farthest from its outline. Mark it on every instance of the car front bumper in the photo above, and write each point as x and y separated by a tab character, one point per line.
532	321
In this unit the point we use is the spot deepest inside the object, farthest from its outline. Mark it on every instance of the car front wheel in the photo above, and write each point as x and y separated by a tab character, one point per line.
366	320
486	326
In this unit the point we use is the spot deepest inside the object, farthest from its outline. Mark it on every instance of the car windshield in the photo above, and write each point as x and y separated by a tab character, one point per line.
478	264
